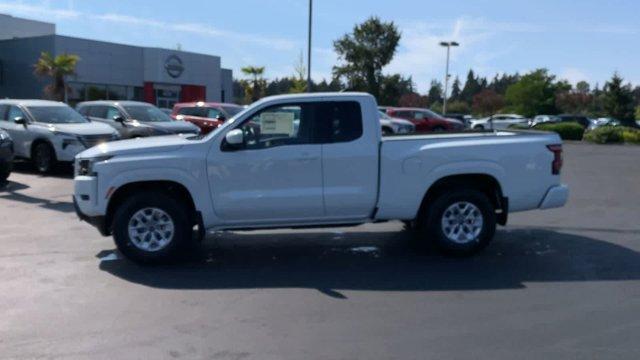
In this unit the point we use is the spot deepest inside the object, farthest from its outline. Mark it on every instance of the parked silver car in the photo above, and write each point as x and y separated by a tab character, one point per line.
392	125
133	119
47	132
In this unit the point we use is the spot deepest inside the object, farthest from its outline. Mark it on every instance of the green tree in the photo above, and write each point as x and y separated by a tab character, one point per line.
583	87
299	81
618	99
455	90
364	53
254	88
458	107
638	113
487	103
472	87
393	87
435	93
57	68
533	94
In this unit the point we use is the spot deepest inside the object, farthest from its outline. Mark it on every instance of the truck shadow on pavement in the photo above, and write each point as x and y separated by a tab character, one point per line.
11	190
372	261
61	170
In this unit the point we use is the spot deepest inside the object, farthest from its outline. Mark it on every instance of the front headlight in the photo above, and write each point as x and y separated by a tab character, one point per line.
85	167
68	139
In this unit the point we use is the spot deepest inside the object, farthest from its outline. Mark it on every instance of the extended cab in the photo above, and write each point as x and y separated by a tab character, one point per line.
314	160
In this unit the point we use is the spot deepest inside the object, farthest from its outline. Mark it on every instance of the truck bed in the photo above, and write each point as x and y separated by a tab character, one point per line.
519	160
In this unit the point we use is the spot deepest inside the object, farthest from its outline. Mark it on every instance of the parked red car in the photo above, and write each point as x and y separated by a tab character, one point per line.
205	115
426	120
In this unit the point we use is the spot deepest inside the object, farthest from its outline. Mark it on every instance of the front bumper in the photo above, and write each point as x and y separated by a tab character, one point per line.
97	221
556	197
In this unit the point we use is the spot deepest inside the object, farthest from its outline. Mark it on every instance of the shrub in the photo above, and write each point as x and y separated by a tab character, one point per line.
614	135
566	130
631	136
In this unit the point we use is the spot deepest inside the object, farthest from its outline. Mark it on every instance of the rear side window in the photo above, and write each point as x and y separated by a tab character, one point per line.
339	122
3	112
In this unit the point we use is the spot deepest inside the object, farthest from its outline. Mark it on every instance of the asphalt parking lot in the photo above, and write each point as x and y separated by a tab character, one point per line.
555	284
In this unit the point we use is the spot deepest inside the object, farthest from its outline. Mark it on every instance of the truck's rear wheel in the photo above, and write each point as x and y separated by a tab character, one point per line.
459	222
151	228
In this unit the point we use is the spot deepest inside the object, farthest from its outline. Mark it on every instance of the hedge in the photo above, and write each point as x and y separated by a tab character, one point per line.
613	135
566	130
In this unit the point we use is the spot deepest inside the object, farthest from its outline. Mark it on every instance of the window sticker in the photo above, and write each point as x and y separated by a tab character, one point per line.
277	123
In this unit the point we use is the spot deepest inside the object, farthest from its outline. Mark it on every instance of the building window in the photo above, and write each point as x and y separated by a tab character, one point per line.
96	92
116	92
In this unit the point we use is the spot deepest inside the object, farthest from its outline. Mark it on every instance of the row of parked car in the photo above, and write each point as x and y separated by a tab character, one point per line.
48	132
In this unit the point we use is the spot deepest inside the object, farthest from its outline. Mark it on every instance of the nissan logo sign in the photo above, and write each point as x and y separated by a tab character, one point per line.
174	66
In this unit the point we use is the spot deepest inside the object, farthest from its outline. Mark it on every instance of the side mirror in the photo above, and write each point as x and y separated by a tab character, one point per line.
221	117
119	119
20	120
235	138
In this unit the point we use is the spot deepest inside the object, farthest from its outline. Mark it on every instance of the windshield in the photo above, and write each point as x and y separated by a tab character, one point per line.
146	113
384	116
232	110
56	115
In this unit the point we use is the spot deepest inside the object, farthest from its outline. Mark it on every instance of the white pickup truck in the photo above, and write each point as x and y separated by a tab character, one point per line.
314	160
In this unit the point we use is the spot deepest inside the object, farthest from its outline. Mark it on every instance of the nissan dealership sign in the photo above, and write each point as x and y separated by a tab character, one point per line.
173	65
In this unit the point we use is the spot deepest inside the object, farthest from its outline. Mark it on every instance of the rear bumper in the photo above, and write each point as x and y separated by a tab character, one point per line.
556	197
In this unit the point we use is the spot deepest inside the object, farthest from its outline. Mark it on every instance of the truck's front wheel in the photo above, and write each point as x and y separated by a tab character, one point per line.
460	222
151	228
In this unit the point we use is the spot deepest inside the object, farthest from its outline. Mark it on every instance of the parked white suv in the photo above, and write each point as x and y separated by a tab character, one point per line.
47	131
498	122
259	170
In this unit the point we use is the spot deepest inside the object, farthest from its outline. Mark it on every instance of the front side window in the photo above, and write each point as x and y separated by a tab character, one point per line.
97	112
146	113
56	115
3	112
112	113
15	112
278	126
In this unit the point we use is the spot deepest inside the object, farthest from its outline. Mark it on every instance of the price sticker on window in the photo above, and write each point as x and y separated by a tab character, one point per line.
277	123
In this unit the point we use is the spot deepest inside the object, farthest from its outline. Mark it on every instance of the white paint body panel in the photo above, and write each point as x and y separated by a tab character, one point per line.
318	184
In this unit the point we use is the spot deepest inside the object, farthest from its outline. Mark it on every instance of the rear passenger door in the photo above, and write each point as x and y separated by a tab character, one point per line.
349	160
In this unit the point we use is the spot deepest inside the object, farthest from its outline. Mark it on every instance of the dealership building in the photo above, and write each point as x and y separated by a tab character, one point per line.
108	71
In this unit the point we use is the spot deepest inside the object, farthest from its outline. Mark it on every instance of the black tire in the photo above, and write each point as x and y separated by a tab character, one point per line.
478	127
439	129
5	171
431	224
386	132
175	209
44	158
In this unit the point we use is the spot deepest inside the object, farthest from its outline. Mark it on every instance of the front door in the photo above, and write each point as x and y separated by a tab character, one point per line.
276	177
20	134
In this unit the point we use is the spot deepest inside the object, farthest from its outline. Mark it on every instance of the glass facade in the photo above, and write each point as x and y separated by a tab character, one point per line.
79	92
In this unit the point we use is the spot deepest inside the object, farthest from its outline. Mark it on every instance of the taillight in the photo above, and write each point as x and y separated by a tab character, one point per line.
556	165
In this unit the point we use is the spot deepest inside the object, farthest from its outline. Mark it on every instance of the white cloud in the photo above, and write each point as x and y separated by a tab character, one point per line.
421	56
573	75
21	9
46	12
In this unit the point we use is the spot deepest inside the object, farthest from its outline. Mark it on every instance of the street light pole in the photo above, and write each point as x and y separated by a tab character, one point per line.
448	45
309	83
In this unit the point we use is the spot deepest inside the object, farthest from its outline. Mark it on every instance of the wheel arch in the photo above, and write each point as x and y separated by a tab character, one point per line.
168	187
485	183
41	140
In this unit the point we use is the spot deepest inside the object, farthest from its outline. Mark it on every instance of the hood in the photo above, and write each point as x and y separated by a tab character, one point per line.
148	145
174	127
89	128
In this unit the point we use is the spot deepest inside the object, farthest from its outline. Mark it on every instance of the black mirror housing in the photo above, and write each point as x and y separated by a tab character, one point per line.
20	120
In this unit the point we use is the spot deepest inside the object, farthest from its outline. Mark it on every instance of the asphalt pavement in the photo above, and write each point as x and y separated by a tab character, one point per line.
558	284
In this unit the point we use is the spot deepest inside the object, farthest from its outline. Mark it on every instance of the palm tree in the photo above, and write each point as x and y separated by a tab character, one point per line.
57	68
253	90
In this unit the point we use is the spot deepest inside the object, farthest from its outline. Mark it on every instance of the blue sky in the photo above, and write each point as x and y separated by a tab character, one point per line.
585	40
